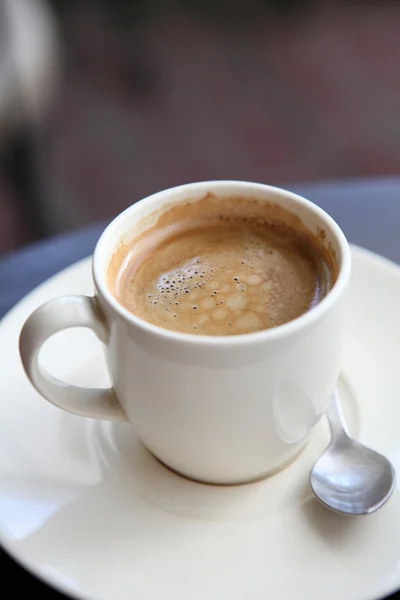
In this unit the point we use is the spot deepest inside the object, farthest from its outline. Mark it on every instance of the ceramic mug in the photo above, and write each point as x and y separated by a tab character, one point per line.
216	409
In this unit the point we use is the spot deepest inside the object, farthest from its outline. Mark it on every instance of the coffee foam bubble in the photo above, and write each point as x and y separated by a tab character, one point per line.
220	276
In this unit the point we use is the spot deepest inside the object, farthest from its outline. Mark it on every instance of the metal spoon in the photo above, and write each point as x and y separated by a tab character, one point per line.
350	478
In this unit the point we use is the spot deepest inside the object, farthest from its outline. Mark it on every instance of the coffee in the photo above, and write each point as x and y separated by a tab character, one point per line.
222	266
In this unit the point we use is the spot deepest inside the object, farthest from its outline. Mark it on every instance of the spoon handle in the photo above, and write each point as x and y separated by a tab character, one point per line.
335	417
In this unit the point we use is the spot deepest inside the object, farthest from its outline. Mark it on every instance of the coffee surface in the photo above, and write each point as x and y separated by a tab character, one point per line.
235	267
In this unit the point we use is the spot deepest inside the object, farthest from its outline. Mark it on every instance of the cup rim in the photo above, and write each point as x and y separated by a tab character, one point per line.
267	335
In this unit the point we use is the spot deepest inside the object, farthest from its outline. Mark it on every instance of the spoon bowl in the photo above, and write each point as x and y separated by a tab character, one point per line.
350	478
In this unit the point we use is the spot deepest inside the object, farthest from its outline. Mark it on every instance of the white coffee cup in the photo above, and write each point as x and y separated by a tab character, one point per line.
217	409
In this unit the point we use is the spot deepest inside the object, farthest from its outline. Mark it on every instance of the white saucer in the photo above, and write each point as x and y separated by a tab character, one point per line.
86	508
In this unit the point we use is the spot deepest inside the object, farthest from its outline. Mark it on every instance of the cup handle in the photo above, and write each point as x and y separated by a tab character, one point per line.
48	319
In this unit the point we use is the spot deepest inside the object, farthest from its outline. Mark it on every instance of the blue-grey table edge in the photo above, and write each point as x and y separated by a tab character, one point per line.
368	211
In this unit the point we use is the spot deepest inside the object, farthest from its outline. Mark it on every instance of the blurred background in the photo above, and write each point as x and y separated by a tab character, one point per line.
104	102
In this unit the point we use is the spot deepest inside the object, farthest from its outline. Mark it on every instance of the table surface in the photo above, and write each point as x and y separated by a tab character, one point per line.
367	210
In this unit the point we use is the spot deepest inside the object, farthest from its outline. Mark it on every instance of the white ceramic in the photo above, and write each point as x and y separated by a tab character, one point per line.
216	409
88	509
